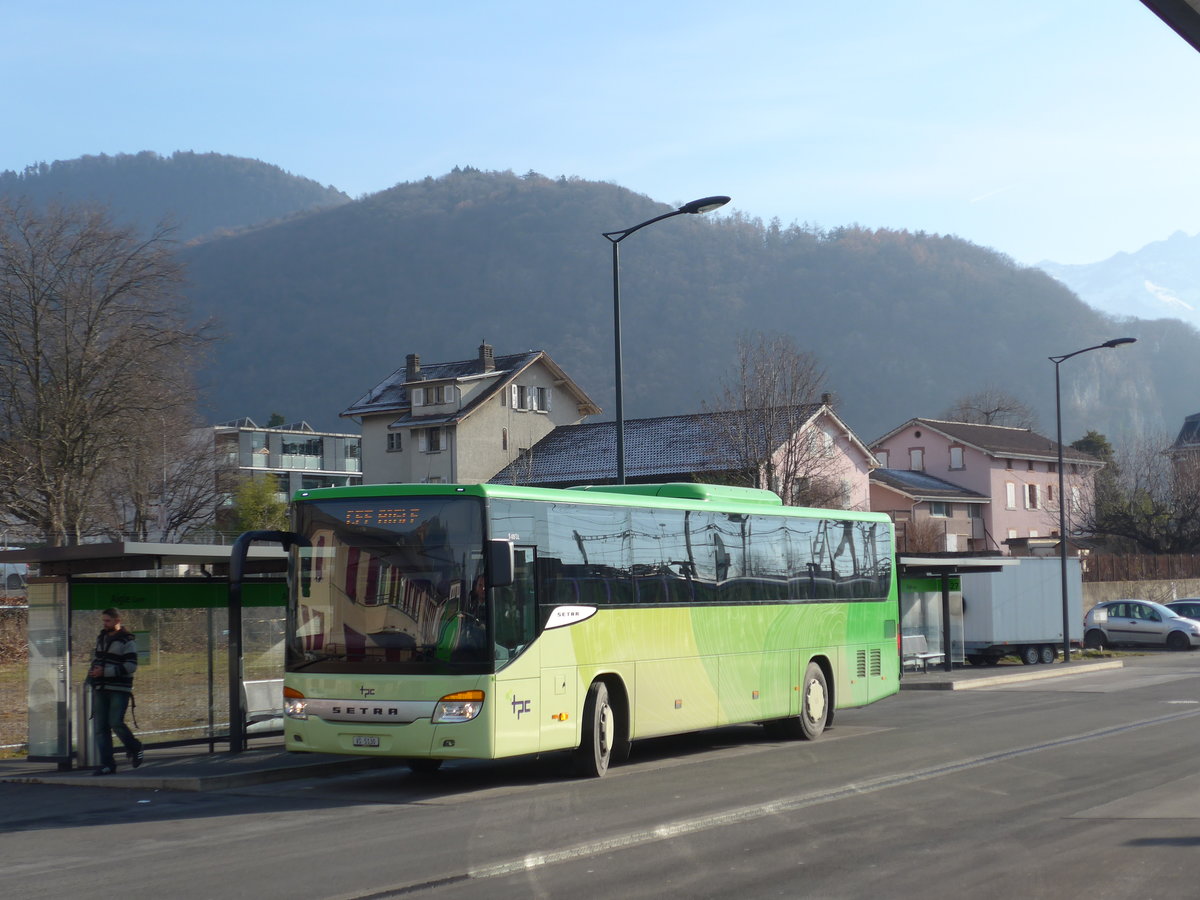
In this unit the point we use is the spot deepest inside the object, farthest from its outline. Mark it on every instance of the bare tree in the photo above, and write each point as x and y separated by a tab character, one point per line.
169	485
992	406
1148	500
764	422
94	356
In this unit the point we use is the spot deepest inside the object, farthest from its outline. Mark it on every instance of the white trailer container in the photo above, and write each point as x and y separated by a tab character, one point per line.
1018	611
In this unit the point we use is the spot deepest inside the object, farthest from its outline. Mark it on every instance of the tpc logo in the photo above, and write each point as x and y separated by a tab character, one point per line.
520	707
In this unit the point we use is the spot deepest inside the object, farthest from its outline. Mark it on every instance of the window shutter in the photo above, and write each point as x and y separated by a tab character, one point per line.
422	441
418	396
546	402
513	402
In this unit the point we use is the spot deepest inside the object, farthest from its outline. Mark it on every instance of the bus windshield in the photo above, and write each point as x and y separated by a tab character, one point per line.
389	586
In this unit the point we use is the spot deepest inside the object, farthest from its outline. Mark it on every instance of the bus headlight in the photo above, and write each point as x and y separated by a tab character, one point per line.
460	707
295	706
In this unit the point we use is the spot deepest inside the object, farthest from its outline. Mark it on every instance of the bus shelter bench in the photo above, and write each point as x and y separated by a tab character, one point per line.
915	652
264	704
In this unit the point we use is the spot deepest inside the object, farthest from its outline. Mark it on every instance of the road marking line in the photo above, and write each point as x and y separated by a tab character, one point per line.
738	815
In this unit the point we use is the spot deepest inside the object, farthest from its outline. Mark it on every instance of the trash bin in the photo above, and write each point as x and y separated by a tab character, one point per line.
87	754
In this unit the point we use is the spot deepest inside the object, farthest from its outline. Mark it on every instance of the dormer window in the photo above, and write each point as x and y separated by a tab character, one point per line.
434	395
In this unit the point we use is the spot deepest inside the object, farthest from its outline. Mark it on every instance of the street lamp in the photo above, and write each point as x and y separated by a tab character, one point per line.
1062	499
703	205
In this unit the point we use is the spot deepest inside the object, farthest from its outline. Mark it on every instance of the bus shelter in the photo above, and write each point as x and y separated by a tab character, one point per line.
931	602
196	655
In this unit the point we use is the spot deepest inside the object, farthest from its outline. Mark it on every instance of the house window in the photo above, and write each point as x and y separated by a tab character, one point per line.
431	440
520	396
1029	464
1034	533
882	456
939	509
394	443
1049	495
975	510
916	459
1012	533
432	395
1032	496
956	457
1010	495
503	438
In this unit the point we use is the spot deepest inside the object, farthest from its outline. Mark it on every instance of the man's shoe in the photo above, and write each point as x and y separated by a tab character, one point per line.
104	770
136	757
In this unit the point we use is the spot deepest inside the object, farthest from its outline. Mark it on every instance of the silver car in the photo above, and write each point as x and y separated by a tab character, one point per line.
1188	607
1139	623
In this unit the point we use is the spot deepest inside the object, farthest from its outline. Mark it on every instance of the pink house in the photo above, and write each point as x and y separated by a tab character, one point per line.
1015	468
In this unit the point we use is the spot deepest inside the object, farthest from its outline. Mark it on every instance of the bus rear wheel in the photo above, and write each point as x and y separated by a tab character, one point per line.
599	731
814	703
816	714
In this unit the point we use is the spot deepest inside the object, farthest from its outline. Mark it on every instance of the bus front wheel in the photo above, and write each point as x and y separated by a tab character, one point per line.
599	731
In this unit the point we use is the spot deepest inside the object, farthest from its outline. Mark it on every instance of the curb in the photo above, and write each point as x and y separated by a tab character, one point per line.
968	684
149	781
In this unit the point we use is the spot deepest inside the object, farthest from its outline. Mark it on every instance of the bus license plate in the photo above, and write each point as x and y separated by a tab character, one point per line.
365	740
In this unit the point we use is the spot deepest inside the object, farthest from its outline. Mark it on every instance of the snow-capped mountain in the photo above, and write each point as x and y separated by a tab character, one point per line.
1160	281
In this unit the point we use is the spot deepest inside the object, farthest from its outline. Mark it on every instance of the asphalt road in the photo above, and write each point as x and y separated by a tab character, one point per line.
1082	786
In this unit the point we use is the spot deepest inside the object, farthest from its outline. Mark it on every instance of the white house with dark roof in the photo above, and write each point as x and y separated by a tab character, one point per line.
689	447
1016	468
461	422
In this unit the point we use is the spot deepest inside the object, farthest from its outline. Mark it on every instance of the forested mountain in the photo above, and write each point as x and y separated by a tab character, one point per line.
198	192
318	308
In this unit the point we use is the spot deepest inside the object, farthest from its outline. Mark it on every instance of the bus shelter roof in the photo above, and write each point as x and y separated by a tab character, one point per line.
936	564
137	556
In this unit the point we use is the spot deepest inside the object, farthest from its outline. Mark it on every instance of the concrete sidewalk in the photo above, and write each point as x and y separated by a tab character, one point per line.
968	677
196	769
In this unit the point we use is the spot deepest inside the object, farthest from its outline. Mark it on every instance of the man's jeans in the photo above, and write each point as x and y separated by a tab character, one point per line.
108	711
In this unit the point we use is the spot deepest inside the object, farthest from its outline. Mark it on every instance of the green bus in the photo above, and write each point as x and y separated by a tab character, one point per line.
433	621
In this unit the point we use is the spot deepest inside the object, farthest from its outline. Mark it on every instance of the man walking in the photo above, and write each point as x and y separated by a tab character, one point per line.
111	677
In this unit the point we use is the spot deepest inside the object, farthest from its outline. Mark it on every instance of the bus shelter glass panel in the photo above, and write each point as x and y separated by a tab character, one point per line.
921	613
181	688
49	696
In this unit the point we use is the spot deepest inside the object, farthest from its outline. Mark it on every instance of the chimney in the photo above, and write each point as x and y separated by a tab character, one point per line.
412	367
827	400
487	358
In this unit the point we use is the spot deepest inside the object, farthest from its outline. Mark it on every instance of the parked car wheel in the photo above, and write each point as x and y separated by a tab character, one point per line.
1094	640
1177	640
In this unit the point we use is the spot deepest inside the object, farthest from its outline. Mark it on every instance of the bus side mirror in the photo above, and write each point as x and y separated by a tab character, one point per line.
501	564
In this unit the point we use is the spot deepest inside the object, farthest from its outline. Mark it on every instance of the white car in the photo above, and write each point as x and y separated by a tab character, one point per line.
1139	623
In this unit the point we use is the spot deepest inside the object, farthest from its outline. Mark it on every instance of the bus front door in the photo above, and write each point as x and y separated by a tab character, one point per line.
518	712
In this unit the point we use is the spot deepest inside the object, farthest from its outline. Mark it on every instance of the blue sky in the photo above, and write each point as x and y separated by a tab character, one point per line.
1062	130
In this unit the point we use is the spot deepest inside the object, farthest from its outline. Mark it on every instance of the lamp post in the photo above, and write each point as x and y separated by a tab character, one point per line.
703	205
1062	499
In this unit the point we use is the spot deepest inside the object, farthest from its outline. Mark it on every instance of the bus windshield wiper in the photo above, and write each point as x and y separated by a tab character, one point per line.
319	659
